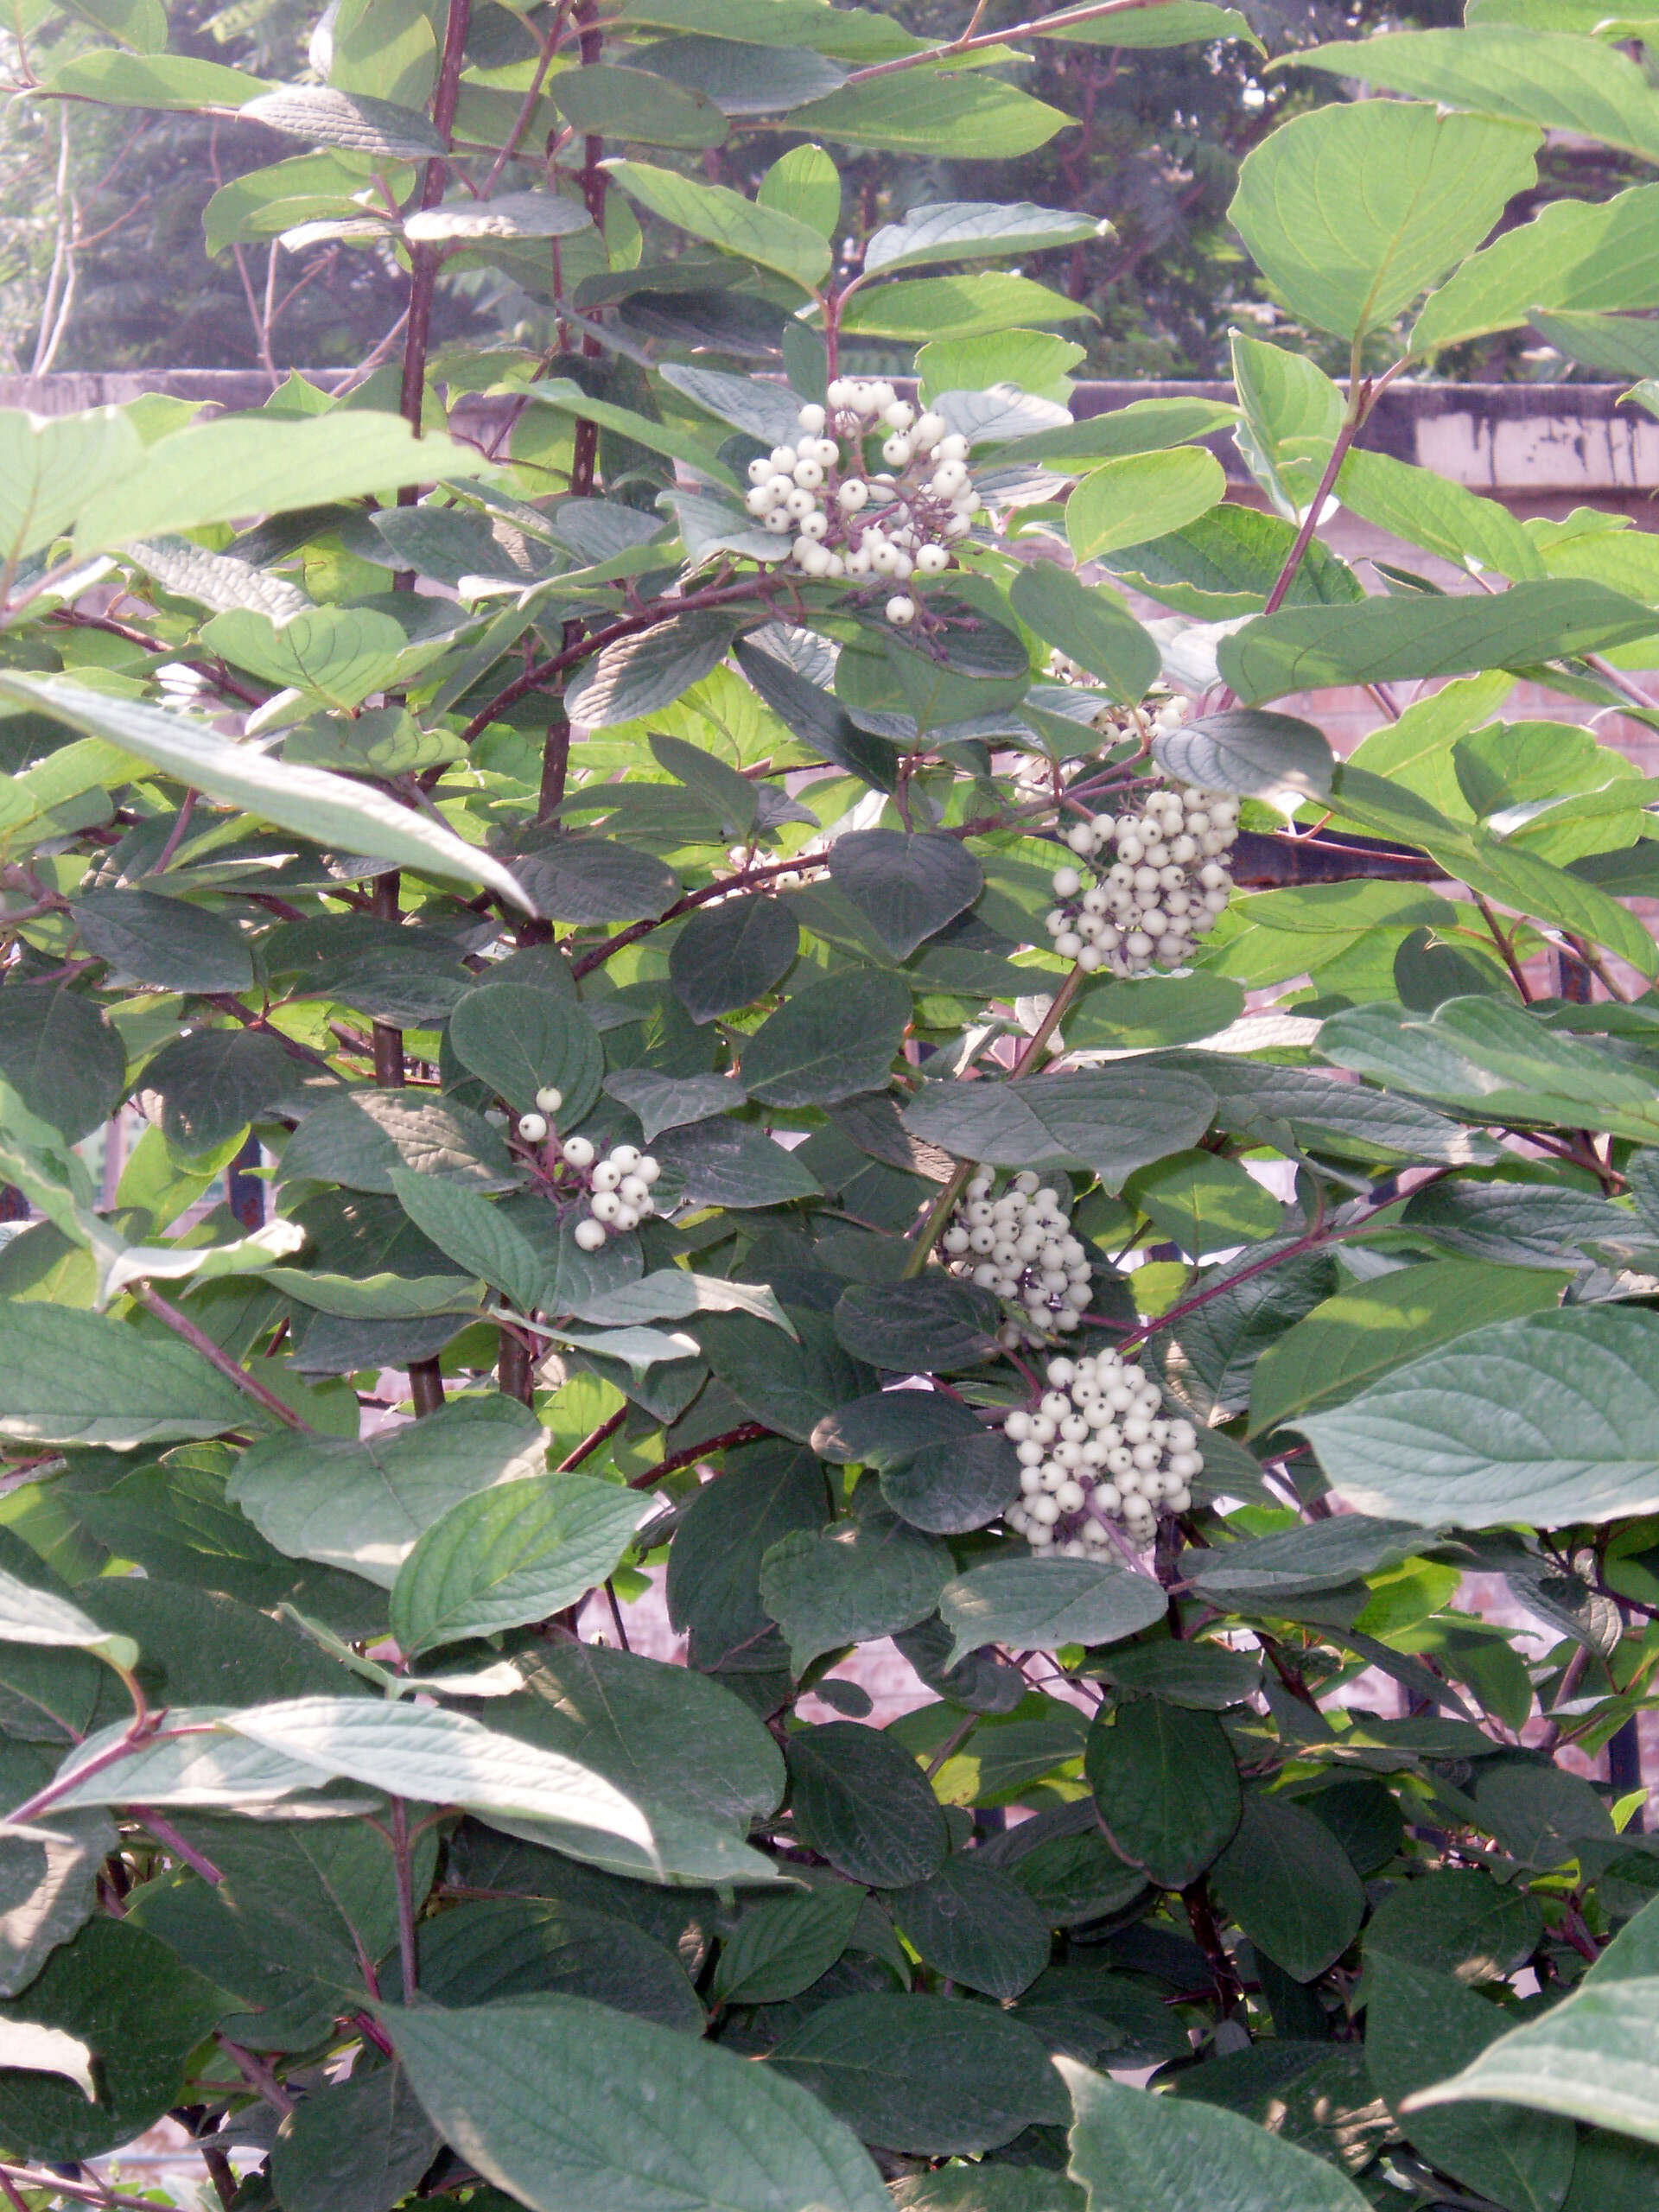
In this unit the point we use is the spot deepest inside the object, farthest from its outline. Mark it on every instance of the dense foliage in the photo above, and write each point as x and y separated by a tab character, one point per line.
733	941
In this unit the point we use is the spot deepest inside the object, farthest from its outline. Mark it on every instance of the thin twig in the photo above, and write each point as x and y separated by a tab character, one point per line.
591	1442
1036	27
748	1432
169	1316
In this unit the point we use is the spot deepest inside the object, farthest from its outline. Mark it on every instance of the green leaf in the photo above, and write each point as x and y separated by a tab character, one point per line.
727	1163
507	215
1089	624
478	1236
1292	415
1131	2149
688	1752
83	1379
1040	1604
1228	561
951	1487
781	1947
975	1924
712	1585
642	674
1142	496
363	1505
862	1802
1290	1885
1205	1676
1417	2026
440	1758
1243	750
1531	75
850	1584
358	2145
153	81
336	654
1315	1555
1311	648
570	398
50	465
746	79
1166	1787
165	943
1203	1203
340	814
1365	1330
924	2074
63	1059
243	465
1548	1419
934	114
727	220
597	879
932	1323
1574	254
954	306
138	2009
27	2048
907	886
1435	185
541	2096
1180	22
520	1041
971	230
805	185
364	1138
515	1947
1494	1061
831	1040
816	716
636	105
325	116
48	1890
1460	1922
1591	2057
28	1615
1432	511
726	956
1112	1123
520	1551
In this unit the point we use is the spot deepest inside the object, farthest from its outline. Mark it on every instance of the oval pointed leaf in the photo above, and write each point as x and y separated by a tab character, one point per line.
541	2096
521	1552
726	957
1551	1419
520	1041
905	886
1256	755
1040	1604
332	811
1130	2148
1166	1786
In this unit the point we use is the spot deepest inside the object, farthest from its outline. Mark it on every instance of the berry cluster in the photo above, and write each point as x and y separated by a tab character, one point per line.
1163	887
1099	1449
1134	723
849	522
617	1187
1020	1244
